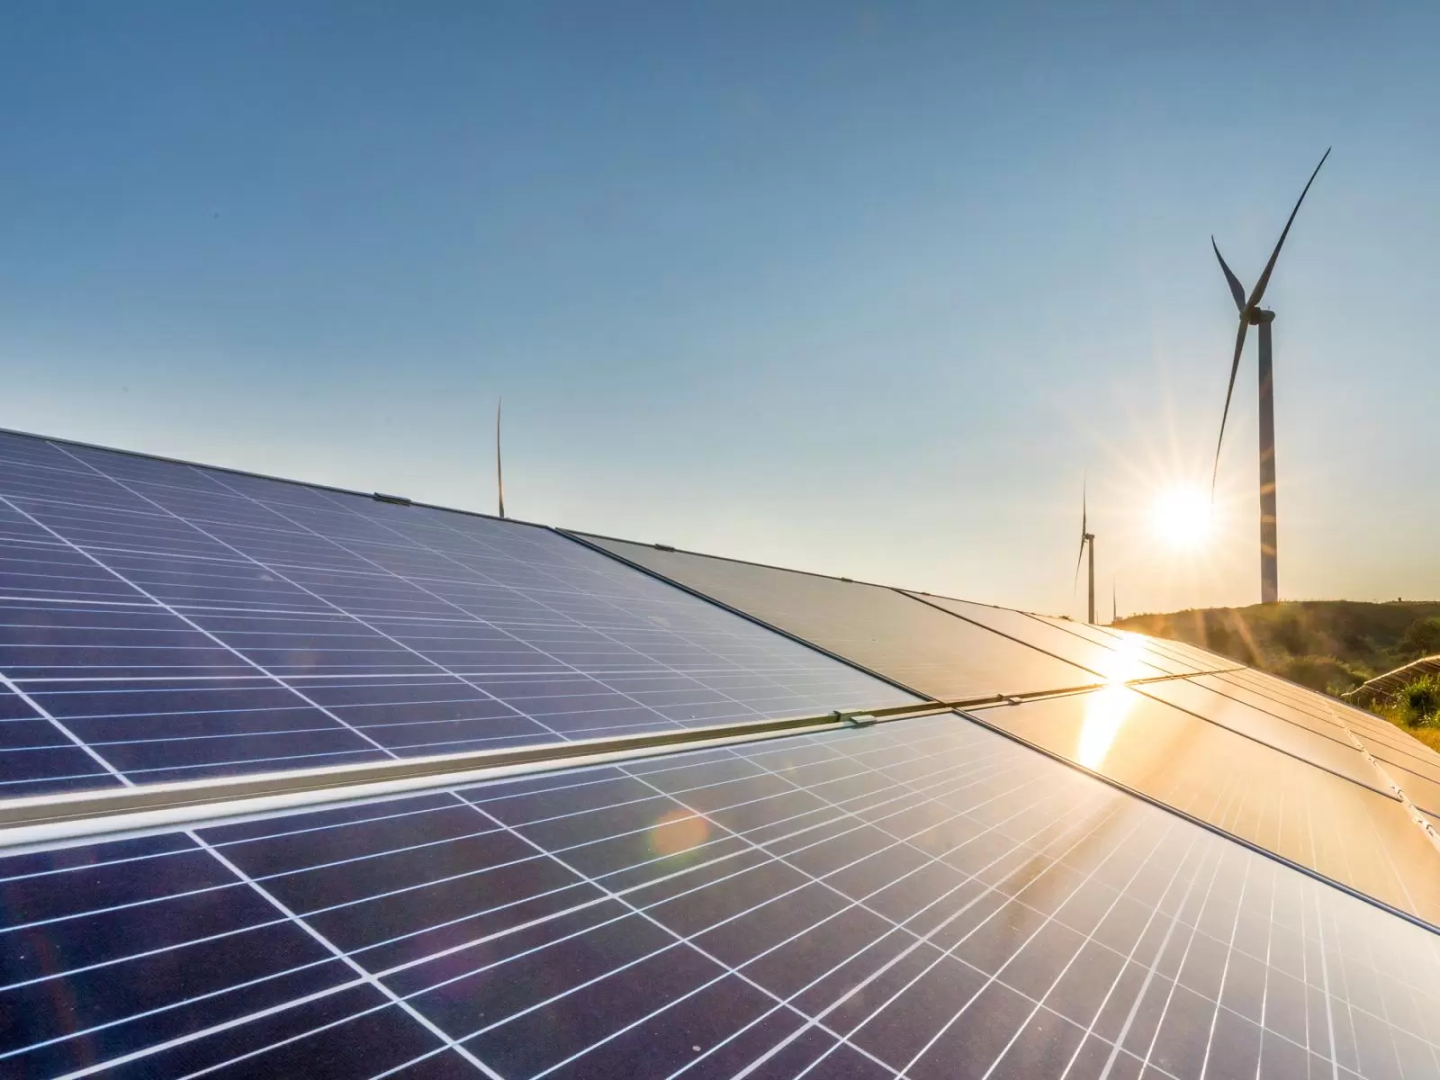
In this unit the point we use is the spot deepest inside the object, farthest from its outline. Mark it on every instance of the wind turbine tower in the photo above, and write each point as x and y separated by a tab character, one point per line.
1252	314
1086	538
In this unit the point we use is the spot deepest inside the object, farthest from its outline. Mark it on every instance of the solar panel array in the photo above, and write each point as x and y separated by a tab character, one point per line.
924	898
161	621
1206	872
914	642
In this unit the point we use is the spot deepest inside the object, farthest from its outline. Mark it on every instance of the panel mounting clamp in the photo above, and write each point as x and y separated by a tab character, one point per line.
397	500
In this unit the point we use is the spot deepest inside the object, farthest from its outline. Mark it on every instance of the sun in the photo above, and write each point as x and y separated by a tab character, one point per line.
1182	517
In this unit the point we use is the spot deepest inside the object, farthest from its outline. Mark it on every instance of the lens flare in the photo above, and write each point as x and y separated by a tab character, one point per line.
678	831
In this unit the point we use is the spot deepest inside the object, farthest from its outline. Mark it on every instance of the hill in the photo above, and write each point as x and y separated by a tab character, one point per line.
1329	645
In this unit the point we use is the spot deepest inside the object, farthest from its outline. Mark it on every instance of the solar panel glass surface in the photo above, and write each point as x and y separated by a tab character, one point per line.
1157	651
924	898
1332	751
1351	833
1116	661
881	629
173	622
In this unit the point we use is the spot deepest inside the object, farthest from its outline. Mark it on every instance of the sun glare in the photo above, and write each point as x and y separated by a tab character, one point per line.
1182	517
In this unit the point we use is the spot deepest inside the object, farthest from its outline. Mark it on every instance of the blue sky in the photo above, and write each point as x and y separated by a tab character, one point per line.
857	288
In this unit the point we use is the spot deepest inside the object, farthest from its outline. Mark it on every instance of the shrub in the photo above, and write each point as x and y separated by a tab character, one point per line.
1421	637
1418	703
1323	673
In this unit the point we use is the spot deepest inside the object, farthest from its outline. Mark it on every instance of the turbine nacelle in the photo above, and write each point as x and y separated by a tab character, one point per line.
1257	316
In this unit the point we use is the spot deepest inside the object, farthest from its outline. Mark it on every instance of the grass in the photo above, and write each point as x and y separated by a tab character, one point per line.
1416	710
1328	645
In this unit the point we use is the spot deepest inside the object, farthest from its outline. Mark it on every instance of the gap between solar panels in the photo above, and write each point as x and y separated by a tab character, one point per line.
45	819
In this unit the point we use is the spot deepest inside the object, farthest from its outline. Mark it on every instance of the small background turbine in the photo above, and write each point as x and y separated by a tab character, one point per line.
1086	537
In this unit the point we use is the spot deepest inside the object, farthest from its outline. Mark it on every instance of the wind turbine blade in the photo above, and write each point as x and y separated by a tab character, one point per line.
1235	289
1229	390
1078	560
1270	266
1084	529
499	471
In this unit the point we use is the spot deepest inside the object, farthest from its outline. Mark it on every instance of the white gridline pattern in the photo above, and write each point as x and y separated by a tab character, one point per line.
501	634
1085	923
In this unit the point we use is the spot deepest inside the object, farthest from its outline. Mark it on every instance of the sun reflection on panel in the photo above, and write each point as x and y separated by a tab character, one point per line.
1105	714
1126	662
1106	710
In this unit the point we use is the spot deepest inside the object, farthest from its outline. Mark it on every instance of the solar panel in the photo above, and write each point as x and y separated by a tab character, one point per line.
1157	651
884	630
1330	750
1391	746
924	898
1347	831
172	622
1115	660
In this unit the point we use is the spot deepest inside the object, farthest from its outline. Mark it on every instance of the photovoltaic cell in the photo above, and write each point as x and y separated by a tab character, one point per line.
884	630
1350	833
170	622
923	899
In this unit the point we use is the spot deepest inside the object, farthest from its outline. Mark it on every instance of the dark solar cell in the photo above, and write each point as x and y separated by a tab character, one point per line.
920	899
39	756
1350	833
186	622
1116	661
915	644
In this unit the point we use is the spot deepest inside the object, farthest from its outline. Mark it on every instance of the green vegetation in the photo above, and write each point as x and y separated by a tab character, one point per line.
1416	709
1328	645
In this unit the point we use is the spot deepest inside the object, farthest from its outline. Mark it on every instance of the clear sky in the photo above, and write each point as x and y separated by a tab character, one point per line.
860	288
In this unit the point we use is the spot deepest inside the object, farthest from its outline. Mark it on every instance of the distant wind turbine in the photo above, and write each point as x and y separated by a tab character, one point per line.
1114	607
1252	314
499	471
1086	537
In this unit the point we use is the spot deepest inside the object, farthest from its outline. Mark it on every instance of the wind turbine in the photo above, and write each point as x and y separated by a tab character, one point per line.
1086	537
1252	314
499	472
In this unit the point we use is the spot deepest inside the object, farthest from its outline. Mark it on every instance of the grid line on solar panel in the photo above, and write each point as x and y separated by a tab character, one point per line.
245	660
504	634
1075	926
